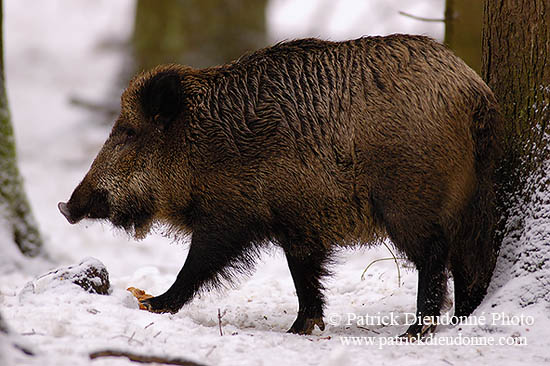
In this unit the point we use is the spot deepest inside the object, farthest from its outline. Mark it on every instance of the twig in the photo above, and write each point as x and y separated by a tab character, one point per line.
327	338
144	359
368	329
396	265
33	332
422	18
209	352
130	339
93	106
220	316
394	258
371	263
23	349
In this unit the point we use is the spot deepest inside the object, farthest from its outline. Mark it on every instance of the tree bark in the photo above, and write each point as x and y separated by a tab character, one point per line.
516	51
14	206
515	66
463	24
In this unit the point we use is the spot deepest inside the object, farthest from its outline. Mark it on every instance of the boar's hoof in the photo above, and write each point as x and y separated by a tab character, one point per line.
418	331
159	305
306	325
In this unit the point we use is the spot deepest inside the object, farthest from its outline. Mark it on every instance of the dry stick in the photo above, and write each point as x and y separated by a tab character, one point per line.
144	359
220	321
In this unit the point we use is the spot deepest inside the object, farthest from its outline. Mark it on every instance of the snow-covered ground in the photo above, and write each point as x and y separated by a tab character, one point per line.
57	49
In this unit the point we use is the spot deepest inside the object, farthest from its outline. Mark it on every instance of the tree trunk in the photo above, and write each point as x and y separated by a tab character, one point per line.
14	206
198	33
463	23
3	325
516	51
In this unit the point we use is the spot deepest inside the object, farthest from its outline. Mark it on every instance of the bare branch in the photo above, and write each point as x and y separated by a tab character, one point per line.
422	18
110	110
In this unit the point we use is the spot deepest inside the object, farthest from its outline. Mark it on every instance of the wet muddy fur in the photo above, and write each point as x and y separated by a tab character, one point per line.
310	145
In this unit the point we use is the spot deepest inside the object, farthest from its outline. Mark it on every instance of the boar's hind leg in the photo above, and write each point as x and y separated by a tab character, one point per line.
211	257
468	292
307	271
431	263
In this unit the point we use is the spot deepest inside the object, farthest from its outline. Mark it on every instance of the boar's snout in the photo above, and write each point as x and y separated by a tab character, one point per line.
85	202
64	209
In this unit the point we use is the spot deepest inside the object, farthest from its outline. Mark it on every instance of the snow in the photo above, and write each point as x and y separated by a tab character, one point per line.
54	51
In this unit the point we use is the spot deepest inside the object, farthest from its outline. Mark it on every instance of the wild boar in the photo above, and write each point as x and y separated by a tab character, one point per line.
310	145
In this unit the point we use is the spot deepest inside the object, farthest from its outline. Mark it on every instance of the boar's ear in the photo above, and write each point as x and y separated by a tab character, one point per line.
162	97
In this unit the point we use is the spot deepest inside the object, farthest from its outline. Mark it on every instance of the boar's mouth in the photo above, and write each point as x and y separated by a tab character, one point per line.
132	218
95	206
135	216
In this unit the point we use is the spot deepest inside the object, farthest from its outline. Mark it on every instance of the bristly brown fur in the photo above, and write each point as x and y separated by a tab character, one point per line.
311	144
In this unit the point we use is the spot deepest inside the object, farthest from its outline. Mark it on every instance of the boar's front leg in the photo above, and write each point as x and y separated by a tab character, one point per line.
212	255
307	269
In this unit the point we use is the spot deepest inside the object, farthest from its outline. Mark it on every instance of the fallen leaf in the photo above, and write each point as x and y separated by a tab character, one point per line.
140	295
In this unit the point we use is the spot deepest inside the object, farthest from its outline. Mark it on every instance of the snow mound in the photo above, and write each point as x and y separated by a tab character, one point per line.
90	274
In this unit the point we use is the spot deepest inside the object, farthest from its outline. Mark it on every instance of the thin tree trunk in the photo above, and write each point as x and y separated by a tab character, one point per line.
3	325
14	206
463	23
516	52
198	33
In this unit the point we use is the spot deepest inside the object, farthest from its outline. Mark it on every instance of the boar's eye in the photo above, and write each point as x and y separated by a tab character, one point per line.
130	133
125	135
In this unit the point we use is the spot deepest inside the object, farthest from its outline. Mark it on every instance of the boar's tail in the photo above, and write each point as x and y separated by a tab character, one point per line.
475	248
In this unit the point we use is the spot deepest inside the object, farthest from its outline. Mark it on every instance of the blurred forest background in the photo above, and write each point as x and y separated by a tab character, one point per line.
203	33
